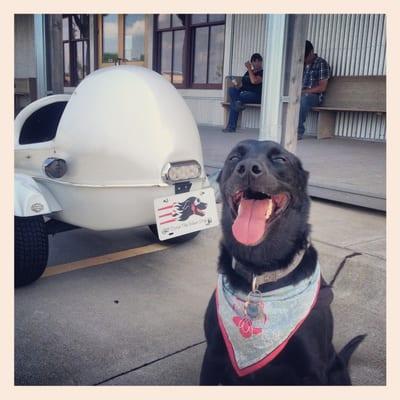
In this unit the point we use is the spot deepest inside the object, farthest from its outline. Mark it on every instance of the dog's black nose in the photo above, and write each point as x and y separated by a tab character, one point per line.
251	167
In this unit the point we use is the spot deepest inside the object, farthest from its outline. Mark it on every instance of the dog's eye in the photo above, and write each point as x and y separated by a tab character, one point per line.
235	157
279	159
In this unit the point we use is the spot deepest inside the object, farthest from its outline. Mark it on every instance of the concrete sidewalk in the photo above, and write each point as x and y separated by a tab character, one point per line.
345	161
351	244
139	321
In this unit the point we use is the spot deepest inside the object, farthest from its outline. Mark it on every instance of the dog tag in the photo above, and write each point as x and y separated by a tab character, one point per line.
253	306
252	310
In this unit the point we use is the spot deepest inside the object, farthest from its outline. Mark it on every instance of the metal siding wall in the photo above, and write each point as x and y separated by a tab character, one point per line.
353	44
206	110
249	38
24	43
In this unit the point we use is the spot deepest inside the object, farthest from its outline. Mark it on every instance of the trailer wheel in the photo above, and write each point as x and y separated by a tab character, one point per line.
31	249
175	240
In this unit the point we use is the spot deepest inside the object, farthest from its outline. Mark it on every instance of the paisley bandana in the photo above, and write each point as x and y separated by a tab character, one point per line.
256	328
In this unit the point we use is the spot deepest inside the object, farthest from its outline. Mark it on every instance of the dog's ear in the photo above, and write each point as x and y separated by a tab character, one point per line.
218	179
215	178
303	174
306	175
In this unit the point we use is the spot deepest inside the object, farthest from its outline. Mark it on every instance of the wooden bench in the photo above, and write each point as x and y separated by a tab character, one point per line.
226	103
350	93
24	93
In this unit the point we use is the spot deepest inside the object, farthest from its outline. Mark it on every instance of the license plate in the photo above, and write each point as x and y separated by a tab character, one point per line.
185	213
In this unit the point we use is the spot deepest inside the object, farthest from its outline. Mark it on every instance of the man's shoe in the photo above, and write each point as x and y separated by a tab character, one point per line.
227	129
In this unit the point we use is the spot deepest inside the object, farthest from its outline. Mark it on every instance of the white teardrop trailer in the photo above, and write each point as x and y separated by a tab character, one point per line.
99	158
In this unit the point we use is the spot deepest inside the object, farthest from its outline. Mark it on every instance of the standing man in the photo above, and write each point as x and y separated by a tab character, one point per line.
316	73
248	92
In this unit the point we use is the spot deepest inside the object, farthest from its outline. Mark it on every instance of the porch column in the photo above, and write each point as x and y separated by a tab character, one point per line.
55	55
294	64
283	71
40	54
271	105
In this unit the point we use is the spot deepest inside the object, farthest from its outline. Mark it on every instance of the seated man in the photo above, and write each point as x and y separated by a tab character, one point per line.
316	73
248	92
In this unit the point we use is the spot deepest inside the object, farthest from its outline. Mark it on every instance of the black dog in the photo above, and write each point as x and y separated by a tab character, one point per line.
191	206
269	321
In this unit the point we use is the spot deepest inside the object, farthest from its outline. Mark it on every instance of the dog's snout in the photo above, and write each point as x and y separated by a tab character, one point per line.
255	169
241	169
251	167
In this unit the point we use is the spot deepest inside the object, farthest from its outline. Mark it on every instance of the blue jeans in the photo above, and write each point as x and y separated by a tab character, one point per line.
245	97
307	102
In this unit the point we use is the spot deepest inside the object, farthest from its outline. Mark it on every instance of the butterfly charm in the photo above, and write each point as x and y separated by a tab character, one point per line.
246	328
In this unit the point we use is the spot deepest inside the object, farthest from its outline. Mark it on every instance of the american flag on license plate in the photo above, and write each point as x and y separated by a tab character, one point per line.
167	214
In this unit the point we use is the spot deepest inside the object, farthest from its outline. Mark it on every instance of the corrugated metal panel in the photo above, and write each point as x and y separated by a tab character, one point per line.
353	44
206	110
361	125
249	38
24	58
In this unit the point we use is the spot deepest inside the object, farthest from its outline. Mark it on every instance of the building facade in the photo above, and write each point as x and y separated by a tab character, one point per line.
194	52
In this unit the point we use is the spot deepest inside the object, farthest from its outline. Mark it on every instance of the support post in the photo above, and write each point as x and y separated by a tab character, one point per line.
326	124
56	53
40	54
296	37
271	104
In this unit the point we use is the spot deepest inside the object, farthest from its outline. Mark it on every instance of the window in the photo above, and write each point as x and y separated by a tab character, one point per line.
171	35
110	38
41	125
189	49
122	39
134	37
75	32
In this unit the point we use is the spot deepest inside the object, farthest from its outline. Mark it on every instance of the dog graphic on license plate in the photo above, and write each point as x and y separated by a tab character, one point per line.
185	213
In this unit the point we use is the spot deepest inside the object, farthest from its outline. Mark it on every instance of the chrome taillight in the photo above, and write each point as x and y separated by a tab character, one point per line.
55	167
181	171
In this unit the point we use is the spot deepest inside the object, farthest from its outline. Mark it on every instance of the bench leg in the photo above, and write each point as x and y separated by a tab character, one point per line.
326	124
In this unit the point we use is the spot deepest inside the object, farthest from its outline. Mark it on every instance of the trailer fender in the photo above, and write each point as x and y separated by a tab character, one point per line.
32	198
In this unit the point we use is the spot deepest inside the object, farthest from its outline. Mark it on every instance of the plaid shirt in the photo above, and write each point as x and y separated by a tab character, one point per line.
315	72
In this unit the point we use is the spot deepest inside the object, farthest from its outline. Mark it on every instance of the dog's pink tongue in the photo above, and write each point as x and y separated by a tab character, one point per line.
249	225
